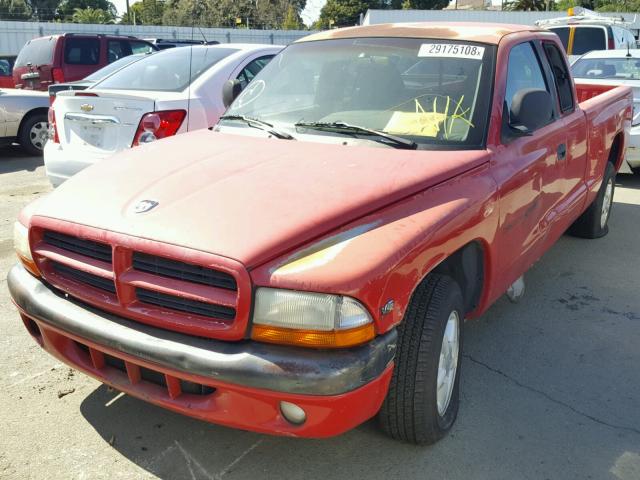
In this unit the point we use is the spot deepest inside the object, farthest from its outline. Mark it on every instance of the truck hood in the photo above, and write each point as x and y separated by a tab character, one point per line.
245	198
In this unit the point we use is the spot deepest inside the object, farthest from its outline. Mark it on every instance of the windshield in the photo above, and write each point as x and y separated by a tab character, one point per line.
112	67
627	68
166	71
432	92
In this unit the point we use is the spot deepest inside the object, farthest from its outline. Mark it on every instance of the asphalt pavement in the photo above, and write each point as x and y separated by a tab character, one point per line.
550	387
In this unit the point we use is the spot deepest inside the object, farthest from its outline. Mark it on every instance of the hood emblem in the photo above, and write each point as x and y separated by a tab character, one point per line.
85	107
144	206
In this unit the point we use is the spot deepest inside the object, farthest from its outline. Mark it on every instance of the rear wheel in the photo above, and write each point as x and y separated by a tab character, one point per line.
422	402
594	222
33	133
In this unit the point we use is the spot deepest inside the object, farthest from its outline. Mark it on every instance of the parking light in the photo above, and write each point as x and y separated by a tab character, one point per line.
310	319
23	251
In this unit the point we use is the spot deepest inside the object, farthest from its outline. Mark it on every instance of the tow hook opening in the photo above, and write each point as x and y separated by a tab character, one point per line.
32	328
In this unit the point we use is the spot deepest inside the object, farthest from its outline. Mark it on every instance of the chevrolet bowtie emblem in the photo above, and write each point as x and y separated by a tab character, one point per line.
85	107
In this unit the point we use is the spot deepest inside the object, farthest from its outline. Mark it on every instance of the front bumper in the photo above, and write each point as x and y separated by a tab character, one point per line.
337	389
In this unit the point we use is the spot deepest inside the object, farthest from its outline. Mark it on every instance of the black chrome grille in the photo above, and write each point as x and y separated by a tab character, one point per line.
84	277
183	271
88	248
185	305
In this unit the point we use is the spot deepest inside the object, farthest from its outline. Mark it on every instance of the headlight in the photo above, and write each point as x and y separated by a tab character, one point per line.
310	319
21	245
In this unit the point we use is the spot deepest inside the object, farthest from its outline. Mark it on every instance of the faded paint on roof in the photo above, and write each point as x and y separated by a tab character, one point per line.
470	31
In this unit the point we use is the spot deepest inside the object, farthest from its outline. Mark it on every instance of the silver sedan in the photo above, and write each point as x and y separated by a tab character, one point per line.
23	118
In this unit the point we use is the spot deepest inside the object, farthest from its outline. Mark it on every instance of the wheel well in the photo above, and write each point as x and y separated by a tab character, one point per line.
30	114
616	153
466	267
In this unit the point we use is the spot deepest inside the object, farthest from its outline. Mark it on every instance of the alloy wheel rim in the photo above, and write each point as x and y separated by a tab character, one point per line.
606	203
38	134
448	363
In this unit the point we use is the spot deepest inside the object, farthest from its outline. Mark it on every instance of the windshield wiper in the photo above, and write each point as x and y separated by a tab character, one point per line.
259	124
346	128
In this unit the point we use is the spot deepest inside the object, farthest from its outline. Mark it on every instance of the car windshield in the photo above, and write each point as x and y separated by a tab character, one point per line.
625	68
166	71
432	92
112	67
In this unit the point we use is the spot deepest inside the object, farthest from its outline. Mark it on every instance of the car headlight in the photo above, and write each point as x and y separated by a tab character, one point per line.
23	251
310	319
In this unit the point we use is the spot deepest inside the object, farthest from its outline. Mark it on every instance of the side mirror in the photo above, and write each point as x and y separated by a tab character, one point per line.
531	108
230	91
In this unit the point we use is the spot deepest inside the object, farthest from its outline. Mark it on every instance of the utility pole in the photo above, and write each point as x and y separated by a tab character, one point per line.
128	12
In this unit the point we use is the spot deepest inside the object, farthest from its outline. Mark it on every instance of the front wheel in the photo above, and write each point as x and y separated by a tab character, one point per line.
594	222
422	403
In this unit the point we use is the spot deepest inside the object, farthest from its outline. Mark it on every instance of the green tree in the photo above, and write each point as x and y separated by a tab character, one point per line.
424	4
291	20
343	13
91	15
145	12
68	8
14	10
526	5
43	10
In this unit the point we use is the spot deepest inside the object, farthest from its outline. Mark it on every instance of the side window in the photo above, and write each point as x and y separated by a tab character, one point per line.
5	68
81	51
140	47
252	69
117	49
523	72
561	76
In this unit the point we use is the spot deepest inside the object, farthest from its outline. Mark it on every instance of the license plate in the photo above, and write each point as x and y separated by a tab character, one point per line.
91	135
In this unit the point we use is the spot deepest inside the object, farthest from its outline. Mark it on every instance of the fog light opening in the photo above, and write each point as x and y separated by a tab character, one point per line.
293	413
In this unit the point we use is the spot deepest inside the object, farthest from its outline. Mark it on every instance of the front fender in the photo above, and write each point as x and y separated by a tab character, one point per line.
385	255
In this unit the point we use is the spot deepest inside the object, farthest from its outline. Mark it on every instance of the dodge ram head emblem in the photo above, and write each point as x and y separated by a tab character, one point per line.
85	107
144	206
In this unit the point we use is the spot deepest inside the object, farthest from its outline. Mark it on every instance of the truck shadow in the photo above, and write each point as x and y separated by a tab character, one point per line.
549	388
14	159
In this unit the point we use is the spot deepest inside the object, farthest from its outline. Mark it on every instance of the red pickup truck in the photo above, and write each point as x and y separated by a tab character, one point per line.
309	264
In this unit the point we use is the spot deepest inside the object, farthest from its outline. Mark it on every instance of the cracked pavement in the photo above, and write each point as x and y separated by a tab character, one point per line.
550	387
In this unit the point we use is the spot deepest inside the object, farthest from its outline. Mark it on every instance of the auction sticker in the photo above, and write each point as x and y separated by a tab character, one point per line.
451	50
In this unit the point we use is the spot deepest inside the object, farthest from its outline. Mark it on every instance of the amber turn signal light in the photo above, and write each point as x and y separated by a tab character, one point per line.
314	338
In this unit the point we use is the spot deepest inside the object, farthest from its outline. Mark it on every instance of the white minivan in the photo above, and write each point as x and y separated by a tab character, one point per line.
584	31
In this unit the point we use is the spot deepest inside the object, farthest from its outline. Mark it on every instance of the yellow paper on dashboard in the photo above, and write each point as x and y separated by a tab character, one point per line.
424	124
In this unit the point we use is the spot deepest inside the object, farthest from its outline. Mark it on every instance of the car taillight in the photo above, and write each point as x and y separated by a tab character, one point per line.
156	125
53	128
58	75
612	45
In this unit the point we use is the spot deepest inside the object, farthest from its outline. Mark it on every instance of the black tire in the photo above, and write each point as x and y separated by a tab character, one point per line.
33	144
410	410
589	224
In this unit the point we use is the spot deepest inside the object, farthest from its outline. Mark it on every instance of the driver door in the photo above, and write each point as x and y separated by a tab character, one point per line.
527	172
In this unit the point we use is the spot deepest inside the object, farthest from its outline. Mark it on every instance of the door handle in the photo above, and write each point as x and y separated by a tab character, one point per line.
562	151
